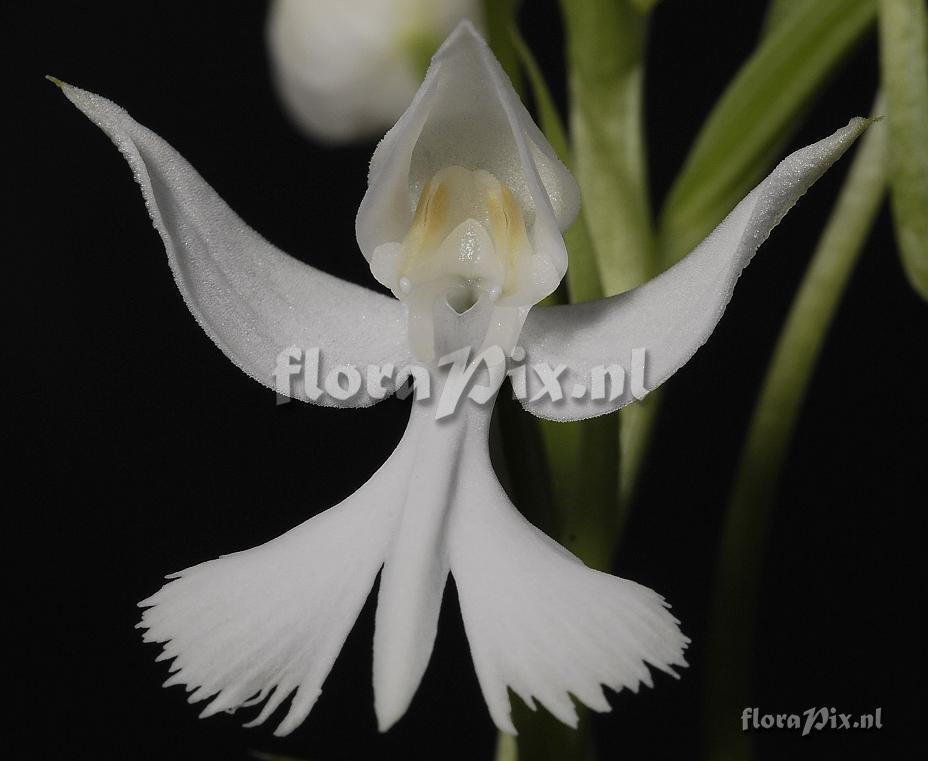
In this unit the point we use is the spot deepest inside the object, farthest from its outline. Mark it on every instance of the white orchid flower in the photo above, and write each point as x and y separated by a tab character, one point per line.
465	206
346	70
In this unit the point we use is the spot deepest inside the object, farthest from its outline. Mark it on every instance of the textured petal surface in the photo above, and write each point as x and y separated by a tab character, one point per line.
414	576
537	619
266	622
261	624
347	70
467	114
416	567
674	314
252	299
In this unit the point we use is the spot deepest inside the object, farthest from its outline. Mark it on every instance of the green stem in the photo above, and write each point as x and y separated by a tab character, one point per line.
904	64
606	46
636	431
586	505
527	470
605	52
730	642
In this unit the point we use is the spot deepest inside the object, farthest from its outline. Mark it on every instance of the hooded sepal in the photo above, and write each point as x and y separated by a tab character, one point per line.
466	163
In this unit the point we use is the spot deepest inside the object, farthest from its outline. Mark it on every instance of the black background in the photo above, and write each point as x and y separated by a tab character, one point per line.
141	450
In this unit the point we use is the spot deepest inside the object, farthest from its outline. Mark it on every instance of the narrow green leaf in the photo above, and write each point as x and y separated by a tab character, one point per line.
904	63
731	642
746	129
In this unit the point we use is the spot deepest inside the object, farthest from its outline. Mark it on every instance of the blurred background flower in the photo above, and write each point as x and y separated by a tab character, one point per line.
347	70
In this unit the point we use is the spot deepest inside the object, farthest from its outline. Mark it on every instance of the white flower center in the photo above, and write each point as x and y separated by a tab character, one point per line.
467	241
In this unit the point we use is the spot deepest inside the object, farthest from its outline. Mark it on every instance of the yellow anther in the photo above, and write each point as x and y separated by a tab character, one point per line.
467	224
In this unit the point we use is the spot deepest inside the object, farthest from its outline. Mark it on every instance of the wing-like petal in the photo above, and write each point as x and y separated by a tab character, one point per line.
253	300
674	314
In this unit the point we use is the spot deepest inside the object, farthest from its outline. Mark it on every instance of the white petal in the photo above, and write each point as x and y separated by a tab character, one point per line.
467	114
347	70
537	619
262	623
413	580
252	299
265	622
674	314
416	567
257	625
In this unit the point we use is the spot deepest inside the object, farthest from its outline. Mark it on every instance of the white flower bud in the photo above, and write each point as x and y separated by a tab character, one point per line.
346	70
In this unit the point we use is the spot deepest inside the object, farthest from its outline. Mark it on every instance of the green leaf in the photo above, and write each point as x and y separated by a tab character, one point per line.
730	641
747	128
904	63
